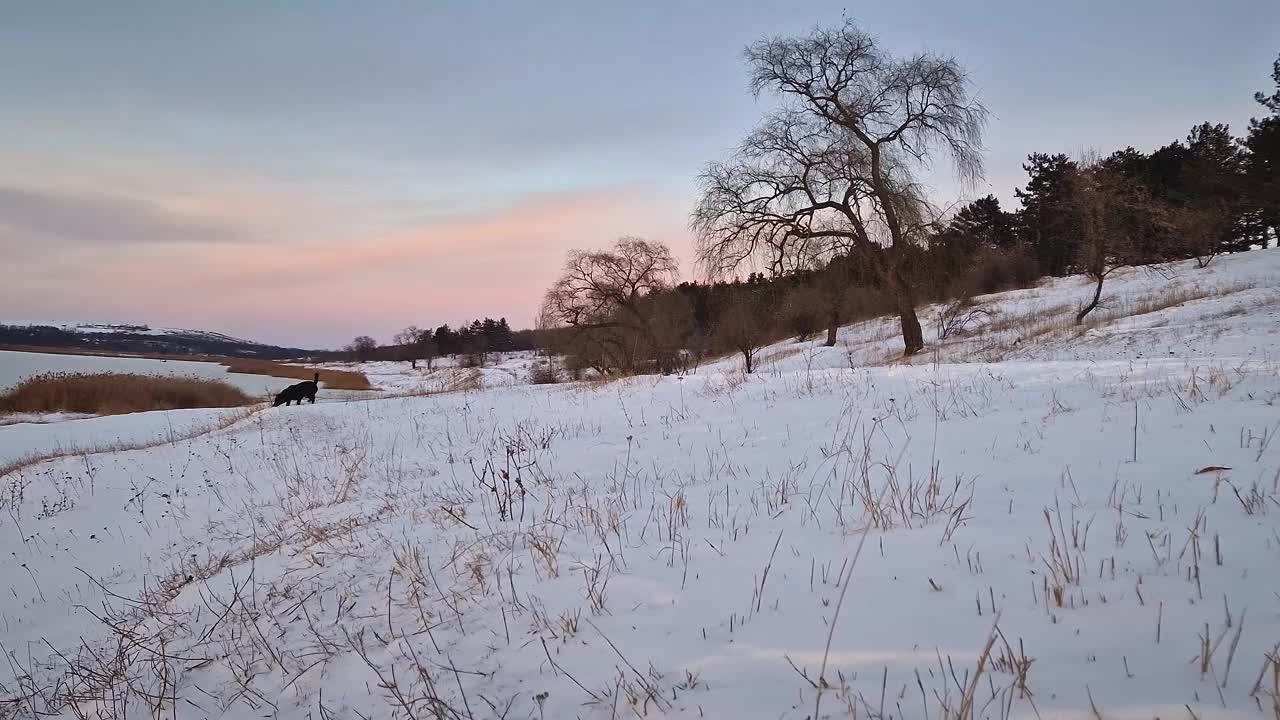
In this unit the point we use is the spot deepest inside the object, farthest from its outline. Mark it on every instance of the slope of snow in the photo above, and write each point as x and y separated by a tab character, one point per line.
1073	531
1229	309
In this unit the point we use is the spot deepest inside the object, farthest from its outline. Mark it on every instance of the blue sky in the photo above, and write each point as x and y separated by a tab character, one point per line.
301	172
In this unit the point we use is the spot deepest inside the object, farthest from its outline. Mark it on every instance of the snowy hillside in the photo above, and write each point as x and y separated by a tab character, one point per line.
1230	309
1031	520
123	338
117	328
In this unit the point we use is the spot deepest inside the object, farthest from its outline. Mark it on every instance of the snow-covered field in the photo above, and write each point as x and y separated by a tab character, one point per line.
1029	522
30	435
446	374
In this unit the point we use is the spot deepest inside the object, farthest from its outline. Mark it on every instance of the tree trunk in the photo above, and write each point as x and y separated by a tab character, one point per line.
912	335
833	324
746	357
1097	293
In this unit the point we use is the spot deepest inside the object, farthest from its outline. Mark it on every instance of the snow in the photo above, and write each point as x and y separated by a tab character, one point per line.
20	418
445	374
685	542
72	434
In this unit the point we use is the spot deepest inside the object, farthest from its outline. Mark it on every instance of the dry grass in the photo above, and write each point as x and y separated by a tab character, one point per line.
775	357
332	379
443	381
118	393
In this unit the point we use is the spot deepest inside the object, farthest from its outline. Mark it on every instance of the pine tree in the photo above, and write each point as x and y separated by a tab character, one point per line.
506	338
986	223
1131	163
1165	171
1214	183
446	340
477	341
1262	168
1272	101
1043	221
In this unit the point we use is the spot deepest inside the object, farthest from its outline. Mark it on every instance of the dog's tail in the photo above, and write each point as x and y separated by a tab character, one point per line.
317	380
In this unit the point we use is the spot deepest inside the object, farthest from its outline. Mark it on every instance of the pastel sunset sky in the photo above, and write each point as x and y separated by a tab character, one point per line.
302	172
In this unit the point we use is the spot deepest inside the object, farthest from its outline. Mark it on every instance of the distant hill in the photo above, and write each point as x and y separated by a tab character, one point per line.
141	339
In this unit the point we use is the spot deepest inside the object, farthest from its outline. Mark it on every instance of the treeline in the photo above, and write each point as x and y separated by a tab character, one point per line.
821	197
604	325
474	342
1210	194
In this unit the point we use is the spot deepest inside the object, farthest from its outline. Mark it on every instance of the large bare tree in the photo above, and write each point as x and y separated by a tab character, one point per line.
833	170
601	297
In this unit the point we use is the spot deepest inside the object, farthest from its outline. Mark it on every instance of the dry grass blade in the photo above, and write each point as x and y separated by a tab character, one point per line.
844	589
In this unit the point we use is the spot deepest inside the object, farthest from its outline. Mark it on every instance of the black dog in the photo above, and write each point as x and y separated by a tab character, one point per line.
297	392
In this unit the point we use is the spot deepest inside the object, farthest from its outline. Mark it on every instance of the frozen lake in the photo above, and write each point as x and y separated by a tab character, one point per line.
14	366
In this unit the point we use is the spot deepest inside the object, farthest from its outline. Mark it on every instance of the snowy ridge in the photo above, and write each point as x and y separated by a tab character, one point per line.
134	339
117	328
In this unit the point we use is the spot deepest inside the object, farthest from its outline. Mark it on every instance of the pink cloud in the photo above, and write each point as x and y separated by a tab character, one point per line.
293	289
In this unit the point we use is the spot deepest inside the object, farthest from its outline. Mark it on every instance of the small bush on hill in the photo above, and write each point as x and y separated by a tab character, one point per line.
995	271
543	374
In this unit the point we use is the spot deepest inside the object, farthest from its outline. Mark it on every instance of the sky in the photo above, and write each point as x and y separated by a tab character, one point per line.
302	172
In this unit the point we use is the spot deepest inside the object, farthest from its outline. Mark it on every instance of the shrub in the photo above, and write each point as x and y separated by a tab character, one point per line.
543	374
998	271
745	325
801	313
118	393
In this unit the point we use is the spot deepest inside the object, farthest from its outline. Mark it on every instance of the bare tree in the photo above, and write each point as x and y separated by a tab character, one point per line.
1202	225
744	325
601	297
416	344
833	170
832	289
362	348
1112	215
